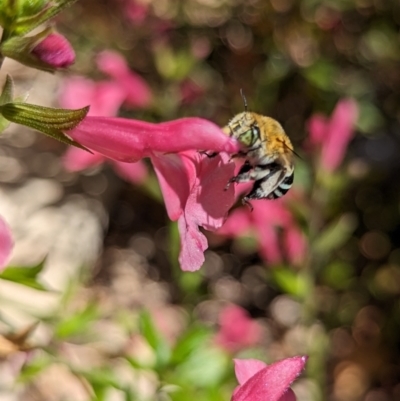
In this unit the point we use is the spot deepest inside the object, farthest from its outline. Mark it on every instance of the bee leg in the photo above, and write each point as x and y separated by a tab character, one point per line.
242	175
248	204
209	155
237	155
265	187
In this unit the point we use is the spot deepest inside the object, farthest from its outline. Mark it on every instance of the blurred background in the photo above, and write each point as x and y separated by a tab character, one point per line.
104	311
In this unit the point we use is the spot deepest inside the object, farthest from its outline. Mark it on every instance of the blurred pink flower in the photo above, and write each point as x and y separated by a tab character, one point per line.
190	91
55	50
258	381
192	184
264	222
77	160
136	12
334	134
105	99
137	91
237	329
6	243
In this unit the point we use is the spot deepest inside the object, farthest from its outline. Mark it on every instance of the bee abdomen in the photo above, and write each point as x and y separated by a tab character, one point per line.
284	186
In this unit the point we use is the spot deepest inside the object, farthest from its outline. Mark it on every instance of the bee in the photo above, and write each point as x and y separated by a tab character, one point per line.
268	154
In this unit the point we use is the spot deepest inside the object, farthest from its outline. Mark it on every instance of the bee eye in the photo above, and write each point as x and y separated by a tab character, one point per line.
256	131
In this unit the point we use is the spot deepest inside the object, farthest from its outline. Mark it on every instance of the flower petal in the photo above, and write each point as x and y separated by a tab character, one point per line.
175	179
268	241
111	63
137	91
130	140
238	223
76	159
132	172
6	243
207	205
288	396
105	98
247	368
210	201
317	127
340	132
237	329
296	245
193	245
271	382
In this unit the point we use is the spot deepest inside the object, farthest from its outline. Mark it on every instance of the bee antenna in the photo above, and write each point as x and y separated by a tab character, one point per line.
292	150
244	99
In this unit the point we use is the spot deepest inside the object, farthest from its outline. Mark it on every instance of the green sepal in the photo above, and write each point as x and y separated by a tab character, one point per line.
7	94
26	24
50	121
20	49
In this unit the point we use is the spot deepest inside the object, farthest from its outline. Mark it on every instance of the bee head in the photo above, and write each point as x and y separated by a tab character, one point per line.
244	128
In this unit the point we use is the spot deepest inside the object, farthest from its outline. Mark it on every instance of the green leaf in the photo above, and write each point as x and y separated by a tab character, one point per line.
335	235
291	282
24	25
34	367
206	366
154	339
77	323
370	119
193	339
338	275
173	65
24	275
135	364
321	74
50	121
100	378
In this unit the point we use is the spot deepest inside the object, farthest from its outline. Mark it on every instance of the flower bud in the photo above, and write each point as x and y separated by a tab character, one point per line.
47	50
55	51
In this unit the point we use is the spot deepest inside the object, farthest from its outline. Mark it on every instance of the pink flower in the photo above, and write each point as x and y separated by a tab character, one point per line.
333	135
237	329
259	382
6	243
55	50
105	99
136	12
136	90
193	190
264	222
77	160
131	140
190	91
192	185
